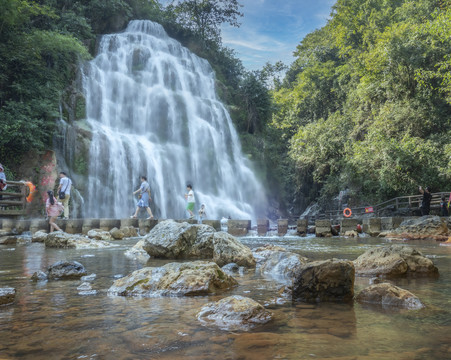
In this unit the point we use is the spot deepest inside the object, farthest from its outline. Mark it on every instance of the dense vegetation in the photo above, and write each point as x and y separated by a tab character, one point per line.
365	105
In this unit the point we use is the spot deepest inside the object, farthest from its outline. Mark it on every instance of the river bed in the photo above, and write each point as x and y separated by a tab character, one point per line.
53	320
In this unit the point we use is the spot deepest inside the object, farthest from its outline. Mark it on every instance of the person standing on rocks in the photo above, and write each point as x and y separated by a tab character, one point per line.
64	192
426	201
144	198
202	213
53	209
190	199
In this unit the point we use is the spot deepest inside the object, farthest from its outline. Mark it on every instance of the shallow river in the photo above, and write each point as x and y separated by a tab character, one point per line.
52	320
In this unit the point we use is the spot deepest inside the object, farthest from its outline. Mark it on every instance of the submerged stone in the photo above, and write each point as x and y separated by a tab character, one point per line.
66	270
234	313
278	262
388	296
7	295
84	287
174	279
39	276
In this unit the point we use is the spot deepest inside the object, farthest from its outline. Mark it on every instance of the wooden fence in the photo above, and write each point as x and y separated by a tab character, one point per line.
13	200
409	203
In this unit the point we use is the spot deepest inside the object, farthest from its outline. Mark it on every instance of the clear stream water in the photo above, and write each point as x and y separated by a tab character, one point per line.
51	320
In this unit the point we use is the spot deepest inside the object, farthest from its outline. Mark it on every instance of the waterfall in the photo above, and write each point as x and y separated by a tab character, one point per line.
153	110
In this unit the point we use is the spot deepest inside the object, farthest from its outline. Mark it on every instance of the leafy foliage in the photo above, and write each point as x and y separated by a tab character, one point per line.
366	103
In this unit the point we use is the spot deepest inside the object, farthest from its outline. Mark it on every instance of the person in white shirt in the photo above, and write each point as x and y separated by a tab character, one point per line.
190	199
64	186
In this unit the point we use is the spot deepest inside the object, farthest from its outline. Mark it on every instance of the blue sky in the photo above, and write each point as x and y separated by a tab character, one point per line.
271	29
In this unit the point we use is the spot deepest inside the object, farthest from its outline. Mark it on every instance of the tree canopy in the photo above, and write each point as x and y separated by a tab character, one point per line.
366	104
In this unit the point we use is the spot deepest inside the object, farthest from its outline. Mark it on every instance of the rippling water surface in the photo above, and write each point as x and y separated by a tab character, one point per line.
51	320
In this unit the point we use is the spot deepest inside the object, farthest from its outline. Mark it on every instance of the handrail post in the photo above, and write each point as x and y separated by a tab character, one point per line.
24	196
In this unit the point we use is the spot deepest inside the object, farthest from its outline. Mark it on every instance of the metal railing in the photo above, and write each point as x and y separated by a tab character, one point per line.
13	200
410	203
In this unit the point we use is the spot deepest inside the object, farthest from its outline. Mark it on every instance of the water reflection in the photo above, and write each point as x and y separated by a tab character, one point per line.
52	320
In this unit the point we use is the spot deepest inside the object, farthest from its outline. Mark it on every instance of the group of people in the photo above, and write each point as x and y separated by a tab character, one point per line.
425	206
55	206
145	198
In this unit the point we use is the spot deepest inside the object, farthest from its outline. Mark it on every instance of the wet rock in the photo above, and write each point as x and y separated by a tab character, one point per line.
174	279
39	276
116	233
424	227
39	236
129	231
231	268
172	240
394	260
4	232
66	270
98	234
90	277
278	262
7	295
228	249
234	313
61	239
84	287
329	280
388	295
351	233
8	240
137	252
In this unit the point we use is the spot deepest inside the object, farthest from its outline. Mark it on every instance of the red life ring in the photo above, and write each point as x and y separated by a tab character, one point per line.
31	191
347	212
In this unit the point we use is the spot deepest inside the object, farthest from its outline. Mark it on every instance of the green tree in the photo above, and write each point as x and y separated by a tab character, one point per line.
205	17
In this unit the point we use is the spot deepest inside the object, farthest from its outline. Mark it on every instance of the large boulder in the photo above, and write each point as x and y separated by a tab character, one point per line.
388	296
328	280
173	240
66	270
424	227
174	279
98	234
228	249
394	260
234	313
59	239
278	262
7	295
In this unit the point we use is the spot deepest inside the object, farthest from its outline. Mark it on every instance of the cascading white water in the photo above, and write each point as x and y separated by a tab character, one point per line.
153	109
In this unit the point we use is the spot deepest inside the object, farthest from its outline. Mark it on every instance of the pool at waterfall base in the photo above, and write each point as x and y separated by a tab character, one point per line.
54	320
